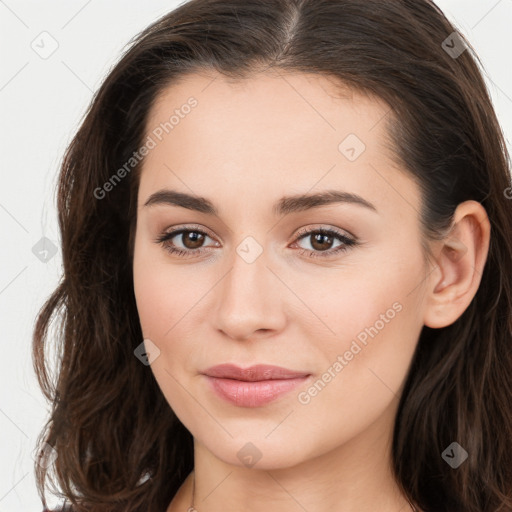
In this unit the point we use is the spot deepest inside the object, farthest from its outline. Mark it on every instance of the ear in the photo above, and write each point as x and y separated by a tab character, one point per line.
460	259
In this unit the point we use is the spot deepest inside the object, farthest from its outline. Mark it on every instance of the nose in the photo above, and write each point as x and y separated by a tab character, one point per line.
250	300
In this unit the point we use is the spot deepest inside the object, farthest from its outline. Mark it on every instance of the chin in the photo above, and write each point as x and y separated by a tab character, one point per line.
256	452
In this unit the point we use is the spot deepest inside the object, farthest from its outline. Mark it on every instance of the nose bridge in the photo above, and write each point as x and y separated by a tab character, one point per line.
249	275
247	301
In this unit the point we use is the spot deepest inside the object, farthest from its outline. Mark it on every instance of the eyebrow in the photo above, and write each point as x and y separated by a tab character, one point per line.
283	206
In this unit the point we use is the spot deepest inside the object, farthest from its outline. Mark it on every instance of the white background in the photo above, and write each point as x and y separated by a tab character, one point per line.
42	101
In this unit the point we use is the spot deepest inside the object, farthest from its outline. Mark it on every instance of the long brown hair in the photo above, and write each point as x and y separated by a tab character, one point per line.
119	445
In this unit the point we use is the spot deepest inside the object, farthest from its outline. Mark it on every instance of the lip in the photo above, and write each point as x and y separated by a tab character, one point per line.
253	386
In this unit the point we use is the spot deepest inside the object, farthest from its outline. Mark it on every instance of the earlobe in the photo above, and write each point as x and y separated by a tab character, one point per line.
460	261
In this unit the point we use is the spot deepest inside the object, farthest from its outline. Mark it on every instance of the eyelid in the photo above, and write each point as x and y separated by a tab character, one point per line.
322	227
188	227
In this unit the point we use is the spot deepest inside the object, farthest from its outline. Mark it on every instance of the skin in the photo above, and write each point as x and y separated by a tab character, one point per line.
244	146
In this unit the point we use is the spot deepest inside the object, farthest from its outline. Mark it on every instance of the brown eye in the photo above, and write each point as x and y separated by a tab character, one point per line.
184	242
321	242
192	239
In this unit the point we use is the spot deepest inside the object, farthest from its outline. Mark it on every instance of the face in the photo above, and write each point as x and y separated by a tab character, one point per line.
330	288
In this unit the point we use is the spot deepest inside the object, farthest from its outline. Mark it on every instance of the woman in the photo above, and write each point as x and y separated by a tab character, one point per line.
287	238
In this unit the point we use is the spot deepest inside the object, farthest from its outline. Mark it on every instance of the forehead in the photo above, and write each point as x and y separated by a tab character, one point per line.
298	104
286	133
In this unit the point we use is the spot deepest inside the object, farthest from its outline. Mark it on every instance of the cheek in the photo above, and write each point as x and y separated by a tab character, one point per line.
365	364
152	301
151	297
373	318
168	298
163	293
160	305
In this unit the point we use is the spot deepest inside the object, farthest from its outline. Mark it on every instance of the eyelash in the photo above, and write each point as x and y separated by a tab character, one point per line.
347	242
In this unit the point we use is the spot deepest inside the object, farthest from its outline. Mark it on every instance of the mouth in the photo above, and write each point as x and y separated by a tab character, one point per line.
254	386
